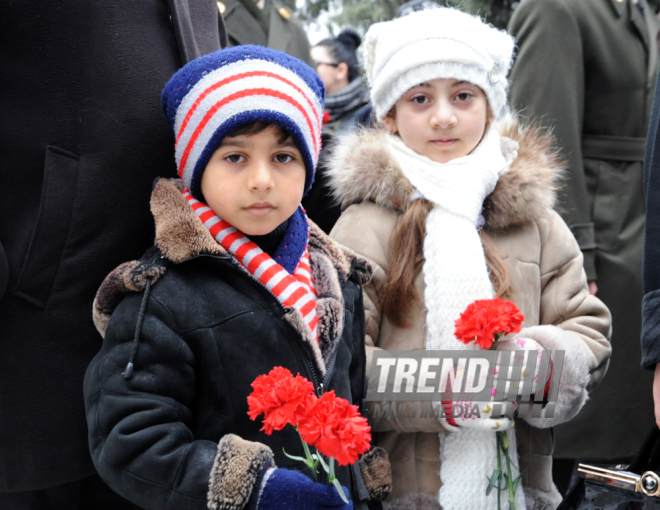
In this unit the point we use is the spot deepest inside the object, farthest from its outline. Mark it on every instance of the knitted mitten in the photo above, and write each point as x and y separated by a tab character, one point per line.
285	489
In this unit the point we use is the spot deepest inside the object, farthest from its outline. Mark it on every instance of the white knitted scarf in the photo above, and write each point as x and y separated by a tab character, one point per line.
455	275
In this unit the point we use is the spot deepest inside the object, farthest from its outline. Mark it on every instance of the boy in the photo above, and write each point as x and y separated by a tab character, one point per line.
244	284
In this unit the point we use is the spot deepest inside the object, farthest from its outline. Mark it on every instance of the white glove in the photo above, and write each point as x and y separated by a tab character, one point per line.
527	348
477	415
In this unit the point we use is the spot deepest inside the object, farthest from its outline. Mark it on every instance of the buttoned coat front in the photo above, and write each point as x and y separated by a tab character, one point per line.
588	69
550	288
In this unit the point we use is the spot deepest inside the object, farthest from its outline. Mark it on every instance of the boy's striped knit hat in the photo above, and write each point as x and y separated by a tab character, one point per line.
214	94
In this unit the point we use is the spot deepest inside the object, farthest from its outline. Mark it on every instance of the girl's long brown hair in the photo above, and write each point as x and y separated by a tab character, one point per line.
407	259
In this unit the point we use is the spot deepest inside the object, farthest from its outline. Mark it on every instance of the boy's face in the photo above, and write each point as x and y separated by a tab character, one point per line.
255	182
443	119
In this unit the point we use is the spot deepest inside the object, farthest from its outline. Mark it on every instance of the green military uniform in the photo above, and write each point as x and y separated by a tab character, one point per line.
274	27
588	68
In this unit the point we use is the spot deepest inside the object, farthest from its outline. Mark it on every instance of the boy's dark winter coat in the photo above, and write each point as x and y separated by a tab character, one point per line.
209	331
82	136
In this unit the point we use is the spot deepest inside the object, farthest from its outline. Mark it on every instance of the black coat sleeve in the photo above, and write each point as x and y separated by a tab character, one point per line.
651	303
140	427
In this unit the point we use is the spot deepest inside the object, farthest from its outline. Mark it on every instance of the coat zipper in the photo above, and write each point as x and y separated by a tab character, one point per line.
319	387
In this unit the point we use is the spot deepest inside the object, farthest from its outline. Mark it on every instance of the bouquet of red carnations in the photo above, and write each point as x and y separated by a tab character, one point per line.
329	424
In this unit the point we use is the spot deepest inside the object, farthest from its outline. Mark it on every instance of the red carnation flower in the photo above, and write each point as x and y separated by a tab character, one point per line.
485	320
336	429
282	398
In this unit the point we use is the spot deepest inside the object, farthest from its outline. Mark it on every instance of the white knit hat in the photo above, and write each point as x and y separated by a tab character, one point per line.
436	43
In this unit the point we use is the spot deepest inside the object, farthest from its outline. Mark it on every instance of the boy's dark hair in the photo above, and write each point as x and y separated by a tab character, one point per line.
344	49
256	127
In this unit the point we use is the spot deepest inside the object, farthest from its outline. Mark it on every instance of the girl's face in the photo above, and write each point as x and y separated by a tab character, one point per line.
443	119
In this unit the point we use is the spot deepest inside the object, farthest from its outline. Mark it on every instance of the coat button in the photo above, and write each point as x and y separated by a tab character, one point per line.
222	7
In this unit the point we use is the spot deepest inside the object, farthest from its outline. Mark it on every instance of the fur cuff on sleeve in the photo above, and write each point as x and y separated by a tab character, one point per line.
377	473
235	471
536	499
574	377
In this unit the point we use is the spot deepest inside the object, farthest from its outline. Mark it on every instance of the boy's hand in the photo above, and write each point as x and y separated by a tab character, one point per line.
287	489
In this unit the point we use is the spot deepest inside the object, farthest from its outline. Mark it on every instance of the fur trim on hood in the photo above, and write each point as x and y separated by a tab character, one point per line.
361	168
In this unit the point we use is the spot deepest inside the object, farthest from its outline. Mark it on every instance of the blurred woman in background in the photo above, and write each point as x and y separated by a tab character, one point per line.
347	100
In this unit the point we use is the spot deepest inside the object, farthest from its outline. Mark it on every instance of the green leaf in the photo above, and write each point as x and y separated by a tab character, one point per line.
337	485
320	458
293	457
516	480
492	482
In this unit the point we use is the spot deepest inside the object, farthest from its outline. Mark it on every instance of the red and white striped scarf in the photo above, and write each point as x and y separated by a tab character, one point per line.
295	290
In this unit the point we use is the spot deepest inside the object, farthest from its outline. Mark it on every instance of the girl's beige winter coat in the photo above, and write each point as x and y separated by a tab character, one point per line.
549	286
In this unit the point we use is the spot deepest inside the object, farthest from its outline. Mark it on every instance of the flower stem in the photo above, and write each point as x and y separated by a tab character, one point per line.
334	481
310	462
331	471
504	444
499	469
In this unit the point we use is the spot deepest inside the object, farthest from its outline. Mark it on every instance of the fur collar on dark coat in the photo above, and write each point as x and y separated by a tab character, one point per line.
362	169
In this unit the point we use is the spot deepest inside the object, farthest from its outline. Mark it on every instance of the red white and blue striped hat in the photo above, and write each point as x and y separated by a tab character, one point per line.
214	94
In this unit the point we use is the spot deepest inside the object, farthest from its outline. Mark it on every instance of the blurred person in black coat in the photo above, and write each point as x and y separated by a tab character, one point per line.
593	84
80	119
651	260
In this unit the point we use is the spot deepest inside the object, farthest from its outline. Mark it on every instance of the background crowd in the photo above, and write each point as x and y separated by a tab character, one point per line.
82	137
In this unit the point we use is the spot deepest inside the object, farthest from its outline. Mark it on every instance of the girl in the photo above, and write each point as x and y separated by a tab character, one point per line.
347	100
453	204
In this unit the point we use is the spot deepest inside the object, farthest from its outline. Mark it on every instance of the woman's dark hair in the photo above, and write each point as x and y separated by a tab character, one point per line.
343	48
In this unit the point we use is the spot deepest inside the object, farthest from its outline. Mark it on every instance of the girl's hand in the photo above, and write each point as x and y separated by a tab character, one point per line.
477	415
527	348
